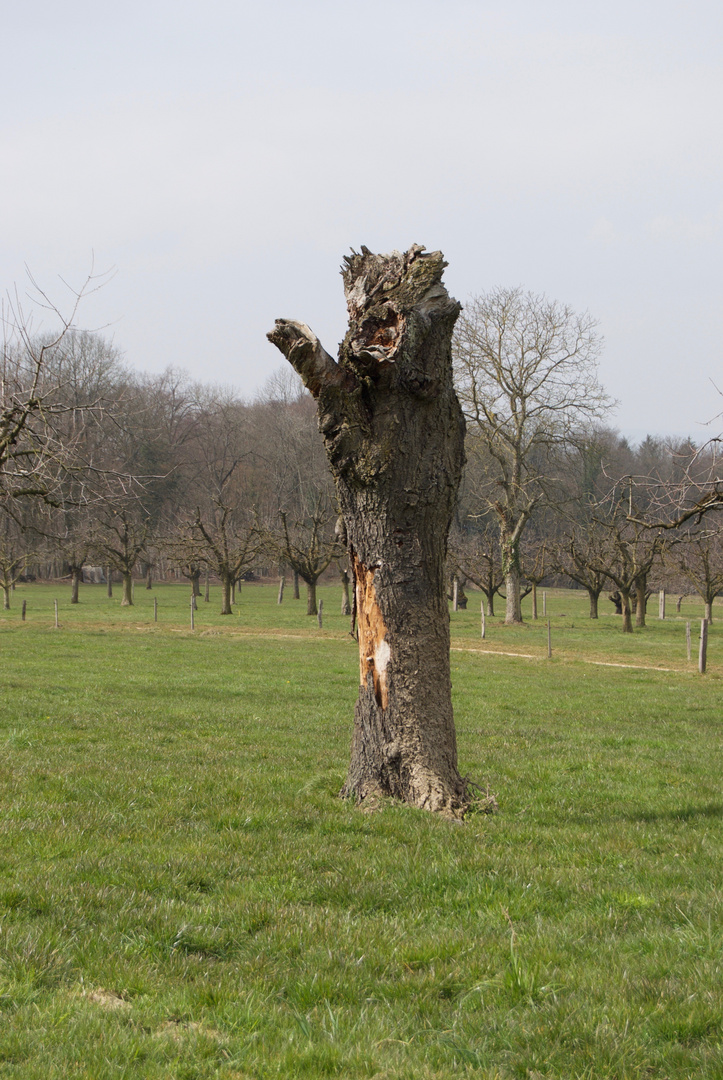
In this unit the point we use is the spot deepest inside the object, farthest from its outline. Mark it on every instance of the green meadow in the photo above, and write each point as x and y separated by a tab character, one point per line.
183	894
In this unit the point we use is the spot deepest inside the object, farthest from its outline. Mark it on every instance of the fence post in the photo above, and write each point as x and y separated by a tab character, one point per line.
57	625
319	616
282	582
24	608
544	604
549	640
455	593
155	609
703	646
687	638
661	604
482	605
193	608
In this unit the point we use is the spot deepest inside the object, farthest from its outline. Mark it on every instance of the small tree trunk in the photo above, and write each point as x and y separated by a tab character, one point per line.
226	598
534	600
6	595
708	611
594	596
282	582
75	575
195	576
345	598
512	572
703	649
297	594
127	600
233	591
641	604
207	594
626	608
109	580
513	603
149	574
311	608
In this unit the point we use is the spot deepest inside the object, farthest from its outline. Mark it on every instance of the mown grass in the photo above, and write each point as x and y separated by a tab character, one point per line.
183	894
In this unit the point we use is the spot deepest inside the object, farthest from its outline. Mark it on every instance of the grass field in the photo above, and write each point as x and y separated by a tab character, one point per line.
184	896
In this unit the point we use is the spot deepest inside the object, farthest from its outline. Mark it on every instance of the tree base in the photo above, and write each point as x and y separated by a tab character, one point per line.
395	765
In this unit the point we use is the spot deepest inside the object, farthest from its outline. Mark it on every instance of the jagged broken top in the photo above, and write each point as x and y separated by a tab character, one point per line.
399	277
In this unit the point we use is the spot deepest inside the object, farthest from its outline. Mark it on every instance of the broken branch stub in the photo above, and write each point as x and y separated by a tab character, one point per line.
394	435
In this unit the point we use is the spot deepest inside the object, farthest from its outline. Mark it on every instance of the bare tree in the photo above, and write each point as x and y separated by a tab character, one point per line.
476	555
584	554
40	428
308	544
526	372
14	556
698	558
119	540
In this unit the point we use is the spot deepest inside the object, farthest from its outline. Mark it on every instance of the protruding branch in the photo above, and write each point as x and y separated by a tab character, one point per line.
307	356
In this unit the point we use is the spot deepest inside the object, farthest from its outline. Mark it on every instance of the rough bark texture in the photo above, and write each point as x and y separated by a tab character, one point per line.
311	608
345	598
641	600
127	600
513	606
75	576
394	436
227	597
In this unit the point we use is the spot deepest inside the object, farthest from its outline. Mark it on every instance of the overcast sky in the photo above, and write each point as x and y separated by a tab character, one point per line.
223	156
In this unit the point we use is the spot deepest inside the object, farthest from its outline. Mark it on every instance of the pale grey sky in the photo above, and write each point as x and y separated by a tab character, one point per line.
224	156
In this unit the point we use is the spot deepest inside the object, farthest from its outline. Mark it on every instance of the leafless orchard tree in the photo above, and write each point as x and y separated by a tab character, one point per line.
476	555
698	559
526	375
41	428
307	543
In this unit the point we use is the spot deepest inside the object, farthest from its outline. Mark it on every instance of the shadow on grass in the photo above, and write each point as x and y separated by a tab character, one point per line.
683	813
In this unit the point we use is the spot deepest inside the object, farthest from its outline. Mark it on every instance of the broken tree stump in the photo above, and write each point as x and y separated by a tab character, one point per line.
394	436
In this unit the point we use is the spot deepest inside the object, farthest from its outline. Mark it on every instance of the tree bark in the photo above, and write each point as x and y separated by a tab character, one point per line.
708	610
594	597
626	607
311	608
127	600
345	598
641	600
226	591
109	580
297	594
149	577
394	436
75	575
511	567
6	597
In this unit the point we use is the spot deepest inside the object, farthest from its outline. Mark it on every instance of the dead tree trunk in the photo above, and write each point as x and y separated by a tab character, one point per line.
394	436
